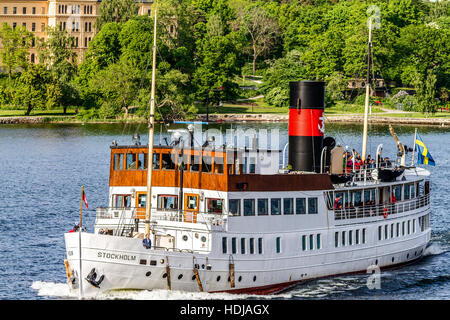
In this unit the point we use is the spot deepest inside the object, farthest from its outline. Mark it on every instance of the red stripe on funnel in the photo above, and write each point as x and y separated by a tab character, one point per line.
306	122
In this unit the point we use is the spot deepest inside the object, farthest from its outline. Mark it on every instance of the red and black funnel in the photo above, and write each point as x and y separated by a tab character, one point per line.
306	124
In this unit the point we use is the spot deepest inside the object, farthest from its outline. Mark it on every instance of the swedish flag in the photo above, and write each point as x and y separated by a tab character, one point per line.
423	155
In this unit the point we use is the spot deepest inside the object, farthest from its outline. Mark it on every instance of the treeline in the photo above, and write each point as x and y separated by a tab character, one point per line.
204	44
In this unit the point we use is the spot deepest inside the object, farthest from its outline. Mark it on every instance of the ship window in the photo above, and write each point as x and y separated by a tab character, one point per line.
357	198
367	197
406	192
118	161
278	244
398	192
218	165
233	245
131	161
413	191
398	229
122	200
142	200
343	238
167	202
167	162
350	237
403	228
318	241
300	206
379	232
392	230
182	161
414	226
252	245
311	242
303	243
249	207
312	205
275	206
195	163
206	164
263	207
336	239
234	207
260	245
288	206
357	236
214	205
409	226
364	235
386	227
242	245
156	164
252	165
142	161
224	245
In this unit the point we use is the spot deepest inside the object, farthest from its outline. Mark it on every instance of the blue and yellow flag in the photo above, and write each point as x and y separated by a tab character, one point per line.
423	155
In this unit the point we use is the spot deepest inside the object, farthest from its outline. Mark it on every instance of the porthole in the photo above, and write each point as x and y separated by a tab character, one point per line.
392	259
162	261
203	266
376	262
415	253
254	278
165	275
180	276
407	256
240	278
185	238
148	274
193	277
203	239
228	279
218	278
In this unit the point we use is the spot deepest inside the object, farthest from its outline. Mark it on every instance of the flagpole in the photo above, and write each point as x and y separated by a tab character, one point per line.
414	148
80	277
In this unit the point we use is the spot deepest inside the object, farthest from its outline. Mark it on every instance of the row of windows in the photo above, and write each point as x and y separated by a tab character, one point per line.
33	26
396	230
424	222
277	206
24	10
308	242
252	246
350	237
75	9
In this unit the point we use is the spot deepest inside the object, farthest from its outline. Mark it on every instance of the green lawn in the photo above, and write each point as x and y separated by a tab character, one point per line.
48	113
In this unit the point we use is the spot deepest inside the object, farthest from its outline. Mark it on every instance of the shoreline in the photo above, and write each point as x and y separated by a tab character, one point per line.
243	118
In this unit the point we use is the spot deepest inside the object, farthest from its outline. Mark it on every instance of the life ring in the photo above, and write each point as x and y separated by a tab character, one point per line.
385	213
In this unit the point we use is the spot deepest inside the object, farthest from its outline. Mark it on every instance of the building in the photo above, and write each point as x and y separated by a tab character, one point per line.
76	16
356	85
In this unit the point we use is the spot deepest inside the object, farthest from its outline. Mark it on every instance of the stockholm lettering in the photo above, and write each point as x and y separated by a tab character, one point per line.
116	256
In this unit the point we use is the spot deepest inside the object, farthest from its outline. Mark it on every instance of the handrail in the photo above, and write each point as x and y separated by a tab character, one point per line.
382	209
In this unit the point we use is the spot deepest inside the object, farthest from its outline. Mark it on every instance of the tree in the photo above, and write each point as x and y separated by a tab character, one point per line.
16	43
336	85
116	11
262	30
32	87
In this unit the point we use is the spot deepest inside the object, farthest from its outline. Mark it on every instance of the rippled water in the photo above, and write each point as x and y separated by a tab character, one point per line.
44	166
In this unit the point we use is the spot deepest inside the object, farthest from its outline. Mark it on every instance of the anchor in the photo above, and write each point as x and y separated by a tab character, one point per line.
92	278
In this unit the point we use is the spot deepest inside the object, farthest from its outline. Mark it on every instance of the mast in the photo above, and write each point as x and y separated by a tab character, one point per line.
151	127
366	106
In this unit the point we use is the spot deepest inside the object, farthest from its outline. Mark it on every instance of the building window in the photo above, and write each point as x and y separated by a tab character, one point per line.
263	207
312	205
260	245
33	27
14	10
149	11
5	10
242	245
42	27
167	202
24	10
275	206
214	205
32	58
249	207
34	10
300	206
234	207
224	245
288	206
278	244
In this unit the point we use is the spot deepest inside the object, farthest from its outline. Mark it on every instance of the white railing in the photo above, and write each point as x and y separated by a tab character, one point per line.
356	212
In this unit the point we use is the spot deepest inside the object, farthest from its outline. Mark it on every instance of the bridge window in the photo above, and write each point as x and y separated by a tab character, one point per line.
118	161
131	161
234	207
214	205
406	192
195	163
249	207
275	206
300	206
167	162
206	164
312	205
263	207
169	202
288	204
122	200
357	198
218	165
156	161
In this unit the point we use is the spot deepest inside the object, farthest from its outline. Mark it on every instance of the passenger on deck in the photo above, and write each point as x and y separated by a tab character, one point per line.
393	199
387	162
338	203
75	228
147	242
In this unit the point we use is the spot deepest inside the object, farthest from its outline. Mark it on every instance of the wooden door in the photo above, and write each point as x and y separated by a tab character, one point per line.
190	207
141	202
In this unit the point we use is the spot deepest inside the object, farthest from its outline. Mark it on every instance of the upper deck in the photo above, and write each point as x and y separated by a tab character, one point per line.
220	169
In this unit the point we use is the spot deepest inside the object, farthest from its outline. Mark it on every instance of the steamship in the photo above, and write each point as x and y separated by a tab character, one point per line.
202	217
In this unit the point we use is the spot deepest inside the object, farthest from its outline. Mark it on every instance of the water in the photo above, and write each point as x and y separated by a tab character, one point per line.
44	166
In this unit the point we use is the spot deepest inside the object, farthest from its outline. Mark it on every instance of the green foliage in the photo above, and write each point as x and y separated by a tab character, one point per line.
116	11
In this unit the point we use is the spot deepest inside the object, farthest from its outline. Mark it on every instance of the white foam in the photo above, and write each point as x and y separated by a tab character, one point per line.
51	289
434	249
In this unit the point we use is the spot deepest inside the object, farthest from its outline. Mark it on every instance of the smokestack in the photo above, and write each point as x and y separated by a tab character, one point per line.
306	124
